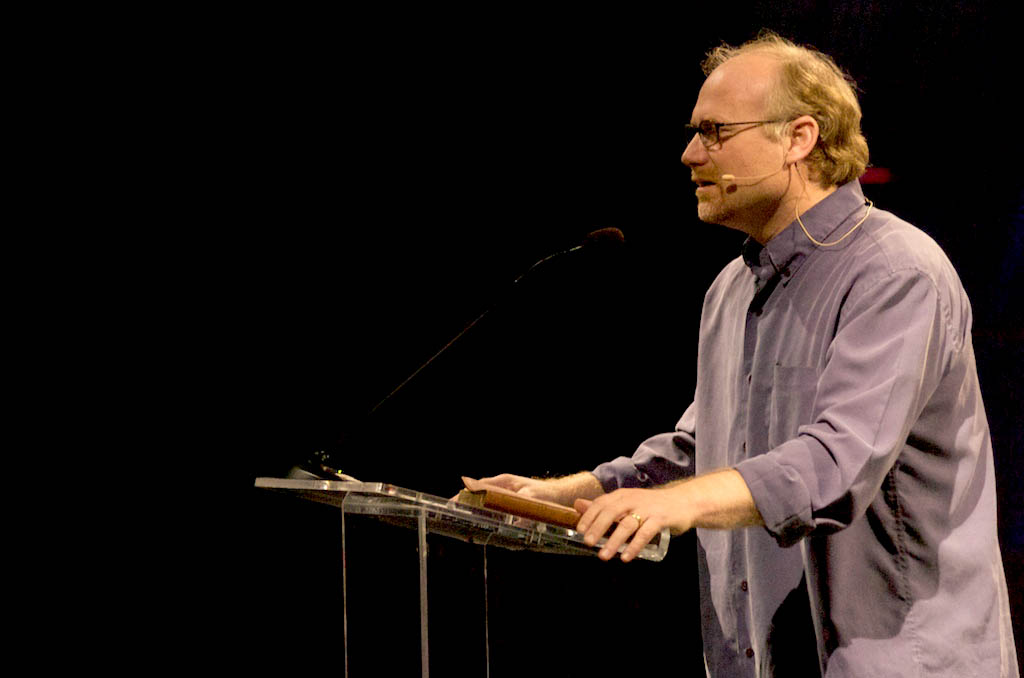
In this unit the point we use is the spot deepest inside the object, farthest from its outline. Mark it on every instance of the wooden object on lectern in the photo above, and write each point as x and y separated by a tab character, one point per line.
498	498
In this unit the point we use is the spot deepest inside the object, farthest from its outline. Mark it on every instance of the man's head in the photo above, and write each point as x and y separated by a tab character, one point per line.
801	118
810	83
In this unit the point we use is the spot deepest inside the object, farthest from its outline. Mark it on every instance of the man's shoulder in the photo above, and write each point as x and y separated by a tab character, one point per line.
892	251
892	244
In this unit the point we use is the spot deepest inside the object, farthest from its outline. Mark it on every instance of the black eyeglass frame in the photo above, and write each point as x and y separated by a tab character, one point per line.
704	128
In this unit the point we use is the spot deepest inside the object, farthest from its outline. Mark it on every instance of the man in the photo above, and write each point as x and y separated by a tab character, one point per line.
836	460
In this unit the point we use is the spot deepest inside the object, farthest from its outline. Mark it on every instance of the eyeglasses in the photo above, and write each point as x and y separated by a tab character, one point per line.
711	132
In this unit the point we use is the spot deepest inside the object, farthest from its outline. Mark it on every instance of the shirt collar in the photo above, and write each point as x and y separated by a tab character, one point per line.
787	251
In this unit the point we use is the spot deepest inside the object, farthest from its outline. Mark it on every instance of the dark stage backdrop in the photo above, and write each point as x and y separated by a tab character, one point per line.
397	172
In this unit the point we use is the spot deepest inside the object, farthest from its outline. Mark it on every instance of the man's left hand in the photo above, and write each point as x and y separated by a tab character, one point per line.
640	513
718	500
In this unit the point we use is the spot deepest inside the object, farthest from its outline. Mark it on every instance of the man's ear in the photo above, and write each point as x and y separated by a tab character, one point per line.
803	136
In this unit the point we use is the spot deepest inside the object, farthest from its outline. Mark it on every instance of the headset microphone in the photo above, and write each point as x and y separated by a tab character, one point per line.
733	177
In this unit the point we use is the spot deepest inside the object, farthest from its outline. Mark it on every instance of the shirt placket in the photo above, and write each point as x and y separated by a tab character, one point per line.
766	278
738	581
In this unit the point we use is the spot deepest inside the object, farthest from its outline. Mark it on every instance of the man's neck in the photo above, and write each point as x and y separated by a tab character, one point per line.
802	197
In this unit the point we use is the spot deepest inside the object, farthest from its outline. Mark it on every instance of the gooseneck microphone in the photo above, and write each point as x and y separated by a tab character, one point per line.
600	240
602	237
320	464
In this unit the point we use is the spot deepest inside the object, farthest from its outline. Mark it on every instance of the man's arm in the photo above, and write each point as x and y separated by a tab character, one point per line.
564	490
715	500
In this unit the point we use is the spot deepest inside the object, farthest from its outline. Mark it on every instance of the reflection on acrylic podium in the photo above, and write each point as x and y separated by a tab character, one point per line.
428	514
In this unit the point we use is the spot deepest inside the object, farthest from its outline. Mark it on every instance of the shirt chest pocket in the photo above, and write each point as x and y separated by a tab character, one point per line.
792	402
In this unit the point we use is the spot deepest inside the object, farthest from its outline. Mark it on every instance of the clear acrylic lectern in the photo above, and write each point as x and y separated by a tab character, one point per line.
431	514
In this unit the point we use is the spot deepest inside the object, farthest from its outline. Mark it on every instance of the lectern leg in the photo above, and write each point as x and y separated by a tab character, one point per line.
344	592
424	637
421	524
487	620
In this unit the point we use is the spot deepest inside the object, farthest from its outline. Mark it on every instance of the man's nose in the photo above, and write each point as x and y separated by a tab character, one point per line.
694	154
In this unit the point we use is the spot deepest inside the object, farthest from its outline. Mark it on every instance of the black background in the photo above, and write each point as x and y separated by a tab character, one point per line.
392	173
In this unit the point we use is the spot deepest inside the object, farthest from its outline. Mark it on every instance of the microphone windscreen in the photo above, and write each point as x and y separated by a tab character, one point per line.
604	237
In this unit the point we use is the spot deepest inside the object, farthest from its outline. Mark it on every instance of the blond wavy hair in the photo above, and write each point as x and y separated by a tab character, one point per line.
811	84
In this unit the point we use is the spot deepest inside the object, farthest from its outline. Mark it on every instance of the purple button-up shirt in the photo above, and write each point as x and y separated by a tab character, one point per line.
841	383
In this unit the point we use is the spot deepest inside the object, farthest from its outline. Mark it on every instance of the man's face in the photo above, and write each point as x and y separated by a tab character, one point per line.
736	92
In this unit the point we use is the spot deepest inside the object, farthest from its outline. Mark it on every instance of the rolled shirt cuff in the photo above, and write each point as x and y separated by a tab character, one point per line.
780	494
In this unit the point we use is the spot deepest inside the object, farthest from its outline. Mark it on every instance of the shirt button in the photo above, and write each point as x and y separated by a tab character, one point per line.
750	652
743	586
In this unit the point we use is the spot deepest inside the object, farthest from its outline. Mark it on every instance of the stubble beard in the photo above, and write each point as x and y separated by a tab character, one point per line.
712	211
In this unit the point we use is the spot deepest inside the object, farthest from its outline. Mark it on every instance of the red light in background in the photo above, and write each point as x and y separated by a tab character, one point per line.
876	175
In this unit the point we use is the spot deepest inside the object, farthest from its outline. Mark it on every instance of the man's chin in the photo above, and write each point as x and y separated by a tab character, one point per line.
711	214
719	217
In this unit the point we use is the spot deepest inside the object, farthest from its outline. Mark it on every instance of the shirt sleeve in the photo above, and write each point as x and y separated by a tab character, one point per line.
884	361
660	459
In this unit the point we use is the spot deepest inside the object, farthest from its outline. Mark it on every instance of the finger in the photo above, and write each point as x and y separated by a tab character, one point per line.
604	523
626	527
596	521
641	538
590	512
581	505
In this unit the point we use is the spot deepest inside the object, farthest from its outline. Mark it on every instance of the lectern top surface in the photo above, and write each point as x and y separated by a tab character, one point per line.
447	517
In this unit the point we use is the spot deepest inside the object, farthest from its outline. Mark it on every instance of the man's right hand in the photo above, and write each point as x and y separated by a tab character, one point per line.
563	490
